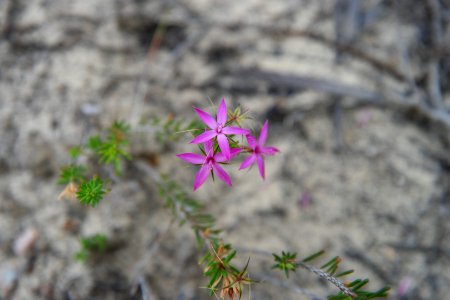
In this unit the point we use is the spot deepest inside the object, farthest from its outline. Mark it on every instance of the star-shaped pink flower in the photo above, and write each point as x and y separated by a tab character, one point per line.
209	164
218	129
258	150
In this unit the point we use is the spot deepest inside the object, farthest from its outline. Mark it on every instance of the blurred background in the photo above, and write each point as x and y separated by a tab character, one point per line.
357	94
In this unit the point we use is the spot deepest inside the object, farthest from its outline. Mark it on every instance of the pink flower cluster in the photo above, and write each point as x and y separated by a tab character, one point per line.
218	133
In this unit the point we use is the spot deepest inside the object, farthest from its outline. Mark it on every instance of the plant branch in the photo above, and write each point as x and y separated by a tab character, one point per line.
324	275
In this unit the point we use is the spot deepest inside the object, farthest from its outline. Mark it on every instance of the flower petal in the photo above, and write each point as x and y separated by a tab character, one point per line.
235	130
251	140
269	150
260	161
222	112
219	157
235	151
248	162
224	146
263	133
201	176
204	137
209	151
206	118
192	158
222	174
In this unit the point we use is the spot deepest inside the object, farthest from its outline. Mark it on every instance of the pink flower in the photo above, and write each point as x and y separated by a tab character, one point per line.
258	150
218	129
209	164
404	287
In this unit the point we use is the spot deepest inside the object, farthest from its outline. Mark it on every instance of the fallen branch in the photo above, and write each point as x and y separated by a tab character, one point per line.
384	98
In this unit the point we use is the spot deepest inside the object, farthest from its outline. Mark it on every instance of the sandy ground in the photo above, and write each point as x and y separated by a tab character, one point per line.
378	186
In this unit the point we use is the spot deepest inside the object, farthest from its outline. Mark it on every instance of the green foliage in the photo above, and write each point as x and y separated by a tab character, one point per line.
328	271
186	209
91	192
313	256
89	245
94	143
355	287
112	149
218	263
119	128
237	116
72	173
169	130
222	274
75	152
109	150
285	262
331	266
81	256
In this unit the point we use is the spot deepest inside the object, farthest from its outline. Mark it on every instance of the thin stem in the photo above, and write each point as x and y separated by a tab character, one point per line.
324	275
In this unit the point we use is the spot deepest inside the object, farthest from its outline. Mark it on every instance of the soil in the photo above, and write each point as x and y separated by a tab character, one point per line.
364	182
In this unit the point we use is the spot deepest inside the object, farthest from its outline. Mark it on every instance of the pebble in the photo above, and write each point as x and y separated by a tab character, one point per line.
8	282
24	243
90	110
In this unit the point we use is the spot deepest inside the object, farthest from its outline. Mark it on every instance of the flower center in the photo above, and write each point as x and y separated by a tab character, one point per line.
210	161
257	150
219	128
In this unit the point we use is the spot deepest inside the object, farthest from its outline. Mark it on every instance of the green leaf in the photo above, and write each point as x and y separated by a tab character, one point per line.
344	273
91	192
72	173
92	244
94	142
119	127
360	284
170	129
313	256
229	256
215	274
81	256
112	149
74	152
285	262
97	242
383	292
331	262
200	241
